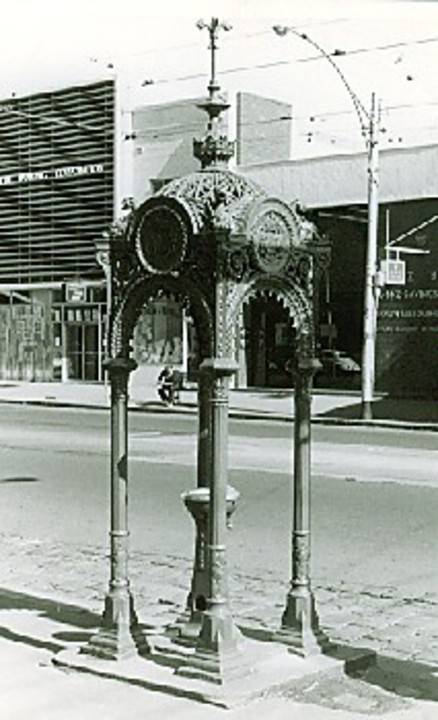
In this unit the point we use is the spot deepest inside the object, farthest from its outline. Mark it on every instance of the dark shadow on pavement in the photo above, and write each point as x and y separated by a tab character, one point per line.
406	678
73	636
60	612
405	410
403	677
19	480
271	394
79	618
154	406
32	641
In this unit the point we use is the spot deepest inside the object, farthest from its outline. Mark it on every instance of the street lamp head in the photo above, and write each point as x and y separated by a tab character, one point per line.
280	30
214	25
226	26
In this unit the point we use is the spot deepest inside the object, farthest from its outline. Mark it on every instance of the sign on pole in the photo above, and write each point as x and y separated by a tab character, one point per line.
394	272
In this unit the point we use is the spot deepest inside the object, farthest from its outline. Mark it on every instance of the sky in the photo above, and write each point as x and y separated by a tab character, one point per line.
388	47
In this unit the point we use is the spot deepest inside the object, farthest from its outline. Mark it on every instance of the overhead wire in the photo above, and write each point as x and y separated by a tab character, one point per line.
244	68
287	61
241	68
229	40
178	128
357	51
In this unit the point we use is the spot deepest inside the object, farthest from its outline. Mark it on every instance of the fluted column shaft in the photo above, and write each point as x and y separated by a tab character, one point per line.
119	375
119	636
301	486
300	626
217	625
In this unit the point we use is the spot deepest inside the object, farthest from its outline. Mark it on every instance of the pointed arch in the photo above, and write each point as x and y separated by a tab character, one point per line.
292	296
125	316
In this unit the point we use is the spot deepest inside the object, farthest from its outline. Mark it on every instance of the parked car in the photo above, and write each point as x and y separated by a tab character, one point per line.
337	361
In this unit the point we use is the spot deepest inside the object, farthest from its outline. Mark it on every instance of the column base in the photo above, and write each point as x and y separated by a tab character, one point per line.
219	650
300	629
186	628
120	635
218	631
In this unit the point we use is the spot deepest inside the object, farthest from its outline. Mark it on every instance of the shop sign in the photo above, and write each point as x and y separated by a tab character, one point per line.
60	173
75	293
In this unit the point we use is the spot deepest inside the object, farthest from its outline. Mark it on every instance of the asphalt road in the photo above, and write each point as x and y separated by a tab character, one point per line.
374	493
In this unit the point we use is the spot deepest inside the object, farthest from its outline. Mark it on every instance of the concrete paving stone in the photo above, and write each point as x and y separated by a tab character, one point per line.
430	657
346	612
402	636
383	593
421	623
406	654
373	643
355	695
375	624
341	618
403	649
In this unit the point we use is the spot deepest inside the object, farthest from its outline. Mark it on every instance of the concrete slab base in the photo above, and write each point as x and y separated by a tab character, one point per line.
269	669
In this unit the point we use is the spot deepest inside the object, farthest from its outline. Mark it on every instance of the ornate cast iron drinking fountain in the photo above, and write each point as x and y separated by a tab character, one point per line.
214	240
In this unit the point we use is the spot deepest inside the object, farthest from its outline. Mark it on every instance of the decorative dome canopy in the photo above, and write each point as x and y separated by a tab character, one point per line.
214	197
214	238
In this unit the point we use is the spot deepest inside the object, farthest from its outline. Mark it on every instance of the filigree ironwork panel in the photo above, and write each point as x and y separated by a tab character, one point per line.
214	239
147	289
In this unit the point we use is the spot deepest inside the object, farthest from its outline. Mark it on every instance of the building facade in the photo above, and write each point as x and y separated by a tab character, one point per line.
335	189
60	189
56	198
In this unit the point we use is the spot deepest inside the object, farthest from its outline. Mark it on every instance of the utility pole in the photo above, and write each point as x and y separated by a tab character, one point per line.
371	289
372	277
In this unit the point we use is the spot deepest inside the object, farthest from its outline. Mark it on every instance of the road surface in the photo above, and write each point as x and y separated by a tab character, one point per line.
374	494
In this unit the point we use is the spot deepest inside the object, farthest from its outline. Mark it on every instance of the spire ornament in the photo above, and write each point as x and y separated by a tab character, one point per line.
214	150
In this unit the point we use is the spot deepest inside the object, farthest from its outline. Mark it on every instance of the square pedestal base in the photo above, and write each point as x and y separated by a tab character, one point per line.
300	629
120	635
268	669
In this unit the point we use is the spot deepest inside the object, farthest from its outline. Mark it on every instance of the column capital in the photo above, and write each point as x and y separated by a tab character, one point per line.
119	365
219	367
308	365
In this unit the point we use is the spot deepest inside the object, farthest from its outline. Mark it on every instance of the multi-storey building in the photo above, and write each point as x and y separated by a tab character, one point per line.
56	197
336	189
67	163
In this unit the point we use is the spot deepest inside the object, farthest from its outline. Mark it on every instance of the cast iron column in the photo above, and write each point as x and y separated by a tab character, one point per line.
119	636
300	627
219	636
218	630
204	431
197	502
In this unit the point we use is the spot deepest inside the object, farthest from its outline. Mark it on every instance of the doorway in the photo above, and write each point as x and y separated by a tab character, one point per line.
270	343
82	345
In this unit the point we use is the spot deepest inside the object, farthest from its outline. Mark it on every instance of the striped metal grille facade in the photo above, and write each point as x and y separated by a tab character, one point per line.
56	182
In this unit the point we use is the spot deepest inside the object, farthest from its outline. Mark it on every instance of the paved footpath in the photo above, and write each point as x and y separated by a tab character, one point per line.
52	596
329	407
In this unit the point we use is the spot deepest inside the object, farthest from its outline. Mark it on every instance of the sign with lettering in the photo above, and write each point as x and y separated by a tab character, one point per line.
60	173
75	293
394	272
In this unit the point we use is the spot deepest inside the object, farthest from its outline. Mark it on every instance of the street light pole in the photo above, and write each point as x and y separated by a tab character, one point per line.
369	123
371	289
